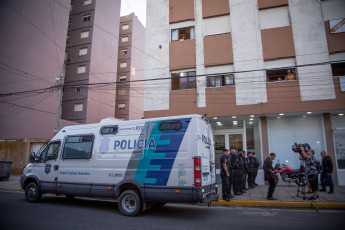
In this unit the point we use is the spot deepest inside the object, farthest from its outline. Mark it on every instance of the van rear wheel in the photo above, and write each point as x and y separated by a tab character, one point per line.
32	193
129	203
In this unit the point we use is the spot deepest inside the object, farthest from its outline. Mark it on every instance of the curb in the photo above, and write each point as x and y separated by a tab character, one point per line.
283	204
10	189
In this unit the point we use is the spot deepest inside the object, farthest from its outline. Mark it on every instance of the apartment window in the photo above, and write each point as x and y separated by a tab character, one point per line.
82	51
78	89
86	17
69	22
66	55
281	75
81	69
121	106
125	27
338	69
67	39
87	2
122	92
222	80
71	7
84	34
78	107
122	78
124	39
124	51
182	34
183	80
123	64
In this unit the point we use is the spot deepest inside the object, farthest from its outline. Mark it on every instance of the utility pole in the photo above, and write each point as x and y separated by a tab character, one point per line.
61	82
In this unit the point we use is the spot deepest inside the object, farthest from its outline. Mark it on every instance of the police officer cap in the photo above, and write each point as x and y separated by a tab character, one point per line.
232	148
225	150
249	153
240	150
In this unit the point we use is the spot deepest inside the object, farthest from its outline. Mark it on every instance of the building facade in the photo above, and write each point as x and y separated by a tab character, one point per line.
129	92
267	73
91	57
32	53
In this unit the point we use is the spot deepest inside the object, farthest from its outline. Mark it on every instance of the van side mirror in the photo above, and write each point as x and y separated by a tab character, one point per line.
33	157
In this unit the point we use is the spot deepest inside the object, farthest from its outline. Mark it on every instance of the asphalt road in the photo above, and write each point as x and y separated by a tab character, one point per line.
60	213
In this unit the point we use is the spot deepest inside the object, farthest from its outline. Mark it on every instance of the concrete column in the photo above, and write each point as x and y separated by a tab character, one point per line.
199	52
327	124
264	138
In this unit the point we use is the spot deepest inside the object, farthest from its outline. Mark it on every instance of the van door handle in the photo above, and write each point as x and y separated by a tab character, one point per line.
56	167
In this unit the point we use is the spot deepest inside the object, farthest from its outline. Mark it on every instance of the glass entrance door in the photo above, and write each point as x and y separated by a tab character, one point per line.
236	140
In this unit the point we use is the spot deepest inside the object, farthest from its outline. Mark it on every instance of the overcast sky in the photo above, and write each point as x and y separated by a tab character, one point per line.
136	6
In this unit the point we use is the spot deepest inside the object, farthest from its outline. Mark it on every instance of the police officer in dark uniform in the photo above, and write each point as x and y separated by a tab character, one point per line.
234	163
244	171
225	175
240	171
256	168
250	163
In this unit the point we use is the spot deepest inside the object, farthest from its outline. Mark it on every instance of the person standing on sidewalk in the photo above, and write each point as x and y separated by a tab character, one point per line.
269	175
311	172
251	170
225	175
326	175
244	171
256	168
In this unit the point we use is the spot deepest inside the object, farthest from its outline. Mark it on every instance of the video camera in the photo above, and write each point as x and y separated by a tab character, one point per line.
297	148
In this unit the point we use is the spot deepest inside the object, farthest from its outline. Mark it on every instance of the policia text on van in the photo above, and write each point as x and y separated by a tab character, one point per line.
141	163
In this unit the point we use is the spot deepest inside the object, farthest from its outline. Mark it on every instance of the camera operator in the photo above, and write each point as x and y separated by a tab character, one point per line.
311	172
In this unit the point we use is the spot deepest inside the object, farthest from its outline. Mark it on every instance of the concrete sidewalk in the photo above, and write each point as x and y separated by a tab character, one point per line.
286	195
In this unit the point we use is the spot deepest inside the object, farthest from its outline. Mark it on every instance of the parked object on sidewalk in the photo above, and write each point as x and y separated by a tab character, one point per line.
142	163
291	175
5	169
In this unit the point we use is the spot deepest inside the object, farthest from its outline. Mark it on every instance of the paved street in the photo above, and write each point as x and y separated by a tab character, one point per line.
59	213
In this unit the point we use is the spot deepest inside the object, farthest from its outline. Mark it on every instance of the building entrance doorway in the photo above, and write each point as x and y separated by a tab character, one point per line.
224	139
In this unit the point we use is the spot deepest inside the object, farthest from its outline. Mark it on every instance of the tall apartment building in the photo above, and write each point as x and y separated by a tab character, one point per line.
32	52
129	94
229	59
91	57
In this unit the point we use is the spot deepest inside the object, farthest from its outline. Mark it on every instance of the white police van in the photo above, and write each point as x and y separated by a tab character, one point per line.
142	163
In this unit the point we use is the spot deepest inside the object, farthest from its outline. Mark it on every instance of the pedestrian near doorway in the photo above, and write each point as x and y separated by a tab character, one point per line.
225	175
326	174
251	170
234	161
256	168
269	175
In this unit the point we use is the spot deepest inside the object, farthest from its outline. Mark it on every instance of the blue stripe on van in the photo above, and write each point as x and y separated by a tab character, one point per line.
156	165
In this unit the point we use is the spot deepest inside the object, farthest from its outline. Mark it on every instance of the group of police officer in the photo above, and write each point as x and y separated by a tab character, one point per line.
236	170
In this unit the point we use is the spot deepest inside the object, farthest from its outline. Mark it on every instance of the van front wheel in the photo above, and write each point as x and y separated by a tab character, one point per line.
129	203
32	193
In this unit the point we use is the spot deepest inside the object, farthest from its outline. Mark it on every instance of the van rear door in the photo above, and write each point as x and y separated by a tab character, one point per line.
206	153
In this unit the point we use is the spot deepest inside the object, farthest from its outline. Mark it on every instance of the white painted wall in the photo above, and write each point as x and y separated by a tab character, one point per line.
316	82
156	93
337	56
247	51
199	51
274	17
217	25
333	9
280	63
219	69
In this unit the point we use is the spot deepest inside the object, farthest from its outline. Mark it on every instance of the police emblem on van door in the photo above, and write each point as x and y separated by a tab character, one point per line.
104	145
47	169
